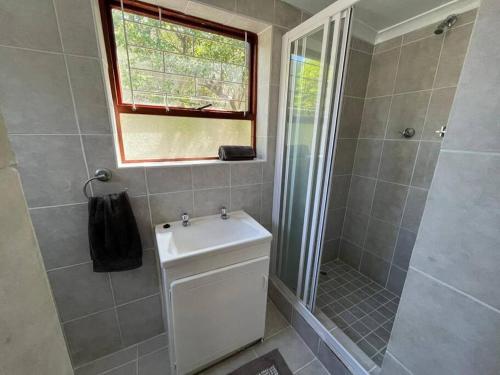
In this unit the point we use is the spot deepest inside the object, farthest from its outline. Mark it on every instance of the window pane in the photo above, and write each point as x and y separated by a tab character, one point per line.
161	63
150	137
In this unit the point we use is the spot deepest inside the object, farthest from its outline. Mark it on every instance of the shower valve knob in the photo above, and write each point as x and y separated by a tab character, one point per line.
408	132
441	131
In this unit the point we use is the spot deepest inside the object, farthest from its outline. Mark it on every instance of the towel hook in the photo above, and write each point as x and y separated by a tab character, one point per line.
101	174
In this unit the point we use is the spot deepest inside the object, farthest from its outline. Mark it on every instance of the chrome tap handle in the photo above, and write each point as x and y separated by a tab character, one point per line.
441	131
185	219
223	213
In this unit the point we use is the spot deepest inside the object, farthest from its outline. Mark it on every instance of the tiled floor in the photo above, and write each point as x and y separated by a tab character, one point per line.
363	309
151	356
279	335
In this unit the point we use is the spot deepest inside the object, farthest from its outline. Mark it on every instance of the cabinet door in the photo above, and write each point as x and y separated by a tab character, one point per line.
218	312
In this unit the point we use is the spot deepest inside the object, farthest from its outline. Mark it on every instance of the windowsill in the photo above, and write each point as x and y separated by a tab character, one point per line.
188	163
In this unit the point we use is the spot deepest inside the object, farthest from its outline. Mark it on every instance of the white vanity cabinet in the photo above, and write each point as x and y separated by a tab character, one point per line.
214	287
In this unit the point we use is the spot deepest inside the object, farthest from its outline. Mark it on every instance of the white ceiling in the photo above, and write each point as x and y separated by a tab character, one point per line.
378	14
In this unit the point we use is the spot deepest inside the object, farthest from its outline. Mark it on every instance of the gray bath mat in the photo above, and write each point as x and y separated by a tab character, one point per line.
271	363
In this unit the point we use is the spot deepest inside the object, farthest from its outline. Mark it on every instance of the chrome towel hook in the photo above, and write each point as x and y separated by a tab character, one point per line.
101	174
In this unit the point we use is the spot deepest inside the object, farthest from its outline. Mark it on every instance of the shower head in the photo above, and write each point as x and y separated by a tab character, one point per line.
446	24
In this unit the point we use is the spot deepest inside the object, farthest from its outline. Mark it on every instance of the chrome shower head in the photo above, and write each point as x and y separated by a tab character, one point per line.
446	24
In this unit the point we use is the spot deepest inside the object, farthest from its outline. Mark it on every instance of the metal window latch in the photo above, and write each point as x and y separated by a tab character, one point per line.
441	131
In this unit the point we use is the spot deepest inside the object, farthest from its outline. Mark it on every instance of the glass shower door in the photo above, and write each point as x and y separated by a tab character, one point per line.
306	125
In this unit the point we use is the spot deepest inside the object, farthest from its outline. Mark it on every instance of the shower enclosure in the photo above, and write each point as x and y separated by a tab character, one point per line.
365	97
311	85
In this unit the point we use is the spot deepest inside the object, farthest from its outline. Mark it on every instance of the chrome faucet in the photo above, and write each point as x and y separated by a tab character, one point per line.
185	219
223	213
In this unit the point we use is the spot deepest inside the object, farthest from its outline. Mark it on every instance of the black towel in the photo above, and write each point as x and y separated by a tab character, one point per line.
236	153
115	243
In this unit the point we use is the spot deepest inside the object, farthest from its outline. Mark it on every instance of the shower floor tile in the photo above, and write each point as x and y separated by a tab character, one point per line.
363	309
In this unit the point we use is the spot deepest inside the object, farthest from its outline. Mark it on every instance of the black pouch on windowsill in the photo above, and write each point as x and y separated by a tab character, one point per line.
236	153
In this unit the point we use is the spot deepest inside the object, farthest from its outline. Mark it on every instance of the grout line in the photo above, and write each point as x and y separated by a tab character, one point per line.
399	362
73	101
111	308
455	289
51	52
137	361
307	364
68	266
117	367
115	309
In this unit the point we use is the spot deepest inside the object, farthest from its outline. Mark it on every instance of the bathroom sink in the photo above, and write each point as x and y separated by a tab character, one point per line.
207	235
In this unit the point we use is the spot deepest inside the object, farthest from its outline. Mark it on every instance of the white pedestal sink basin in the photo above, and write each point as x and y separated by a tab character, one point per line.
214	281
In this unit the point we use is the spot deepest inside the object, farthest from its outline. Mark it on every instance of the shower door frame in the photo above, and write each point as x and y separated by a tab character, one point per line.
335	12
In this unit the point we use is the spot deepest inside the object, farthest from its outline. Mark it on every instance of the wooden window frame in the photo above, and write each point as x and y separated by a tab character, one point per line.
150	10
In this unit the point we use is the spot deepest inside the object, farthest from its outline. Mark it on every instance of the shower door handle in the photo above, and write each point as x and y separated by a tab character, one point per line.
441	131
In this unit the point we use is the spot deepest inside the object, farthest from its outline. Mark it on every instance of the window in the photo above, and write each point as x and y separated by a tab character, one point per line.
181	86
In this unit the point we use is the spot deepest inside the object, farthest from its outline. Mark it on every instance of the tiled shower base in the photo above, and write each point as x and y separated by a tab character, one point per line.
363	309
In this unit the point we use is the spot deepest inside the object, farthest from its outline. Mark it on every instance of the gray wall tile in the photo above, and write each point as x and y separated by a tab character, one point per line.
225	4
339	191
344	156
334	222
165	179
127	369
331	249
355	227
107	363
153	344
92	337
248	199
381	238
170	206
414	209
361	195
79	291
357	73
40	79
280	301
425	165
140	208
389	201
140	320
99	150
404	248
397	161
266	210
375	114
210	201
408	111
154	363
350	253
210	176
452	57
88	89
367	159
425	307
464	204
361	45
51	167
396	280
478	96
29	24
383	73
77	27
423	32
375	267
62	234
350	118
246	174
418	64
314	368
138	283
438	113
388	45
